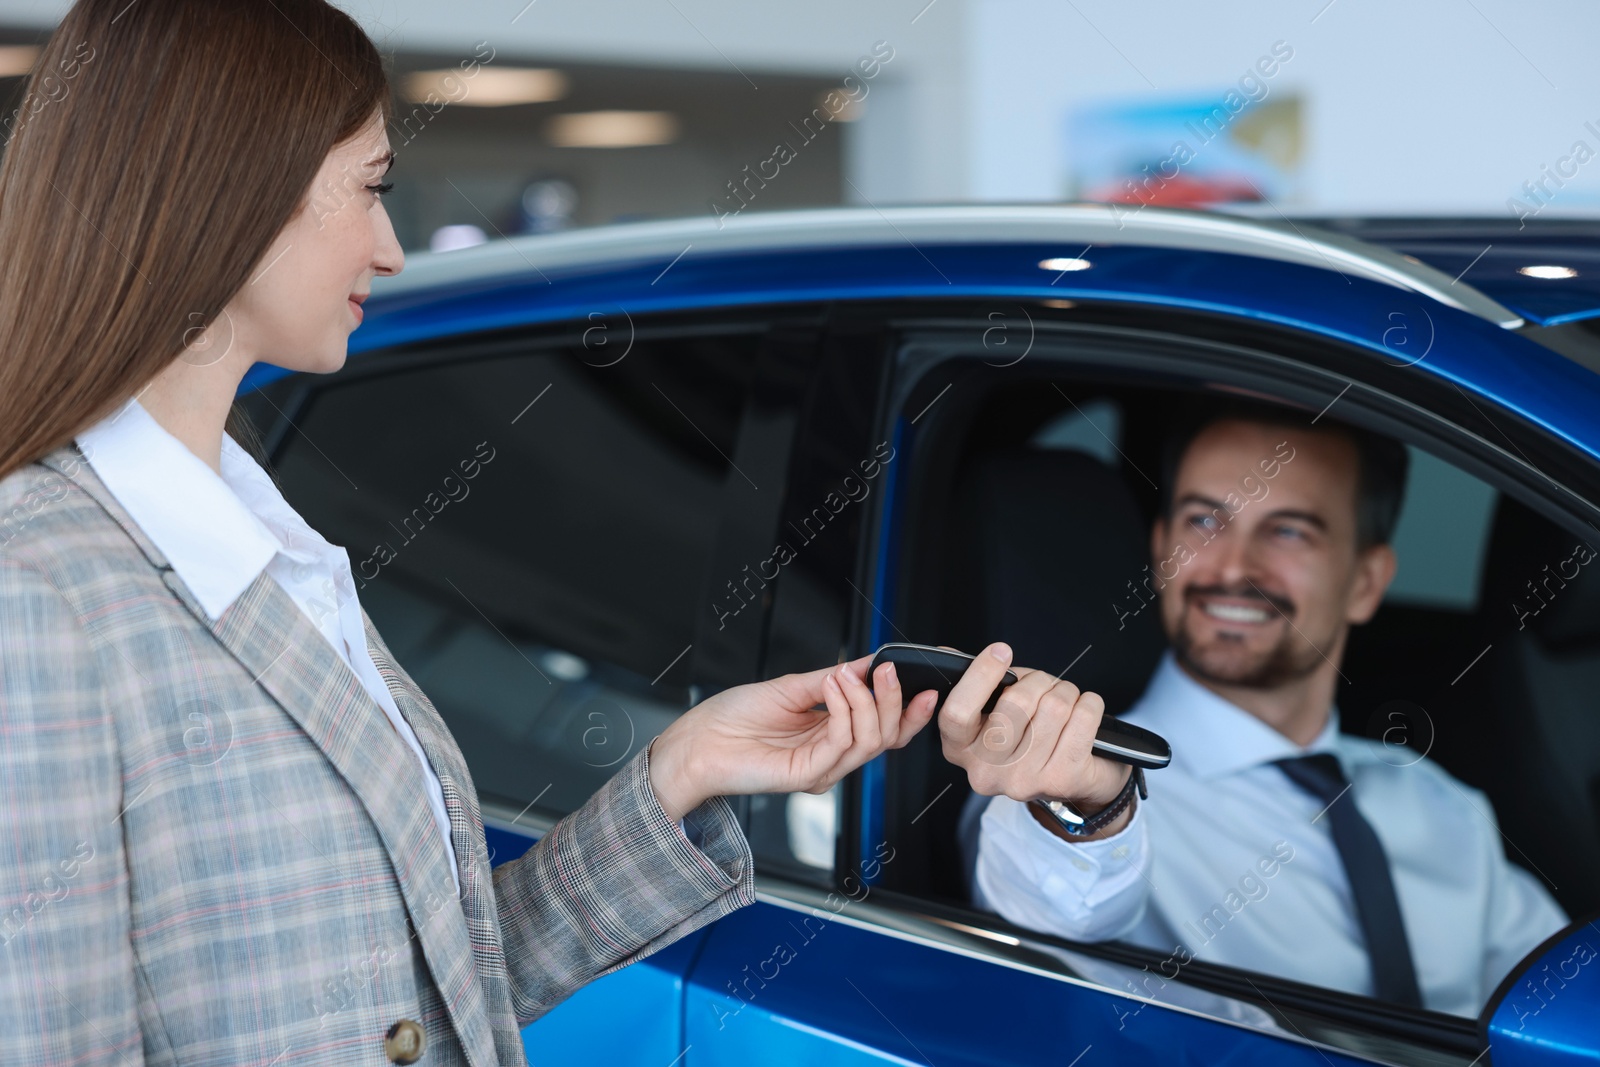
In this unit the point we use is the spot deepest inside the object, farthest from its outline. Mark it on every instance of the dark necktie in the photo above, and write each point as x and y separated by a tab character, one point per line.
1394	977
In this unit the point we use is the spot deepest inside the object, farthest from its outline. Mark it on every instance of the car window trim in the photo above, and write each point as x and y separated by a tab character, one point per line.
921	922
925	342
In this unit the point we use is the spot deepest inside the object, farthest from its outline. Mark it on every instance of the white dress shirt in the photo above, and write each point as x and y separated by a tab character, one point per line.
220	533
1231	862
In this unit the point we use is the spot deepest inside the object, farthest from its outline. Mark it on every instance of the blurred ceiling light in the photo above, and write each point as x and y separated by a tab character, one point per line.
612	129
1064	264
489	87
1059	303
450	238
850	108
17	59
1547	271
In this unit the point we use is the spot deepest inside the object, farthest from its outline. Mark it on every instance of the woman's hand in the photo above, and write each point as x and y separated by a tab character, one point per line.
770	737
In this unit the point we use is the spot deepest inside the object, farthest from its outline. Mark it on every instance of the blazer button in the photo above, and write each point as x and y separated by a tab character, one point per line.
405	1042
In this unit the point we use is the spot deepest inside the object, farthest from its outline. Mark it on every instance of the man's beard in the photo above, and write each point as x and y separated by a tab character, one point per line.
1220	665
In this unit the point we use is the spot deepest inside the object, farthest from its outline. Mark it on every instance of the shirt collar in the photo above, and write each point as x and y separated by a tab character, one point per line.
1212	737
216	543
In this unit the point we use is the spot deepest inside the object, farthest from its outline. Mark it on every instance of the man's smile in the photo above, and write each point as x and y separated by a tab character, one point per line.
1249	607
1236	612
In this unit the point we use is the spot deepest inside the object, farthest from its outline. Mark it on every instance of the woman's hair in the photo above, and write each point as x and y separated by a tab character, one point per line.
160	147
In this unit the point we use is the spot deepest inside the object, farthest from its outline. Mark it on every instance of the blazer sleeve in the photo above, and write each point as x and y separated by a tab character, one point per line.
67	992
613	882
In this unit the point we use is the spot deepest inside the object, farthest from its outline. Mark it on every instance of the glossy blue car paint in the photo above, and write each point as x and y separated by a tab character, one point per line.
1547	302
845	994
771	984
1491	258
776	985
634	1015
1559	999
1395	325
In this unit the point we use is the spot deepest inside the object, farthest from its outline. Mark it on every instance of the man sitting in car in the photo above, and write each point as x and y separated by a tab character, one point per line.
1273	842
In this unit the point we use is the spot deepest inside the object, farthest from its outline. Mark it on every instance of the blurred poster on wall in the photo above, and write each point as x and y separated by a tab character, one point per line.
1191	152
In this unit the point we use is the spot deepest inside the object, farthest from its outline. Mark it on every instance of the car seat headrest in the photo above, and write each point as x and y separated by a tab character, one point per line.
1541	578
1060	551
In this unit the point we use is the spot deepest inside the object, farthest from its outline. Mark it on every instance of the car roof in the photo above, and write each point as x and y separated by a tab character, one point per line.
1490	253
1284	273
1074	227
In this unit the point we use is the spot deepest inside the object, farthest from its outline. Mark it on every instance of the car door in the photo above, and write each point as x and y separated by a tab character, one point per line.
887	966
851	971
845	951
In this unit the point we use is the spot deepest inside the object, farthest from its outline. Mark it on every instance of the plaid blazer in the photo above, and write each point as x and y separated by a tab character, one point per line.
214	847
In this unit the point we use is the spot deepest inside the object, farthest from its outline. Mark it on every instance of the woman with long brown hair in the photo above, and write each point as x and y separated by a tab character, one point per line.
192	186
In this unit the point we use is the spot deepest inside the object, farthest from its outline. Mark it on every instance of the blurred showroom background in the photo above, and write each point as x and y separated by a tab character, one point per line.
561	113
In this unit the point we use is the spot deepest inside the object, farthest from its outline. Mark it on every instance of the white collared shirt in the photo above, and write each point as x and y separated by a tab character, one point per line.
220	533
1231	862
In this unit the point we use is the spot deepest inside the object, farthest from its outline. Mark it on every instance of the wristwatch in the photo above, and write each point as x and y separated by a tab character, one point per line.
1078	824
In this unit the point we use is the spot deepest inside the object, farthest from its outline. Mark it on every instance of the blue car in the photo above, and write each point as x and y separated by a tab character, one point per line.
588	479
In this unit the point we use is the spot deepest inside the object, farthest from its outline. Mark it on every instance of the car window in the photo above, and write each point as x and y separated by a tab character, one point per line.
1443	535
1463	685
532	533
1095	427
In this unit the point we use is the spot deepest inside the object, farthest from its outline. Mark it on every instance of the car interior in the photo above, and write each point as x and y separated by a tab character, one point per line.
1033	481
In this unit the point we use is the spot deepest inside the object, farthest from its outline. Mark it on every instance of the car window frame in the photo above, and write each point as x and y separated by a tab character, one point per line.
1244	354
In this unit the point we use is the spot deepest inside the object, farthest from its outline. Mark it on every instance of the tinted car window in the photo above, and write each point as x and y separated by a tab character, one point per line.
532	534
1472	663
1442	536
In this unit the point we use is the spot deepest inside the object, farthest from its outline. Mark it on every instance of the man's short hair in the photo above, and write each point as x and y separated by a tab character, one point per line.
1380	478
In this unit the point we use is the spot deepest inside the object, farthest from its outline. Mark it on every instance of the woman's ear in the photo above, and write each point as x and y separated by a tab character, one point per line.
1375	569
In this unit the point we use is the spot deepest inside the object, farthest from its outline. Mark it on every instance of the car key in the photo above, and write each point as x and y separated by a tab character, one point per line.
930	667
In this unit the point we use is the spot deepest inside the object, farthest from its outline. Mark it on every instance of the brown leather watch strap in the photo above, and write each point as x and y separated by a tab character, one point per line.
1078	824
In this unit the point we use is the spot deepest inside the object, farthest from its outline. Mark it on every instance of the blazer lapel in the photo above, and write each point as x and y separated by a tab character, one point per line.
286	655
466	827
443	754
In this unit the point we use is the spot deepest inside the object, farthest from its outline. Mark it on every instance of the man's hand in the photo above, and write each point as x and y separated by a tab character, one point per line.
770	737
1037	743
